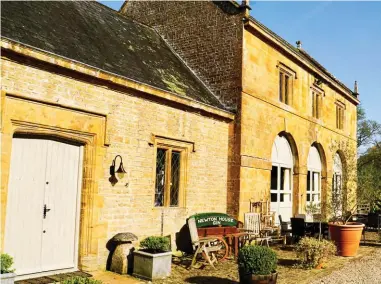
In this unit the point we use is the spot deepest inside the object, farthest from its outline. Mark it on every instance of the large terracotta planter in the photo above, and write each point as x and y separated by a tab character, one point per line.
257	279
346	237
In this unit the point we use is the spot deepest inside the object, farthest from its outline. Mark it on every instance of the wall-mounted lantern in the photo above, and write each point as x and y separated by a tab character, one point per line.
120	171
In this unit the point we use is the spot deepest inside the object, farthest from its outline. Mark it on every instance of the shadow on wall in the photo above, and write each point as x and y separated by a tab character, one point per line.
183	240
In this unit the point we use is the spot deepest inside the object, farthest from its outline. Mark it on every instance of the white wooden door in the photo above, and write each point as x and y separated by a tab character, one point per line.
43	173
281	192
25	203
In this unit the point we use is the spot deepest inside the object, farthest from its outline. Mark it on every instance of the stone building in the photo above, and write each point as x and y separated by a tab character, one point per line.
206	107
82	84
292	115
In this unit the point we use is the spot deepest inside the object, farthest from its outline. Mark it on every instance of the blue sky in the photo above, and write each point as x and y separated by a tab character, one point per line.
345	37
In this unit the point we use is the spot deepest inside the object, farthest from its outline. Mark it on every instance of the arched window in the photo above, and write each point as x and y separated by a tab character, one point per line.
313	176
281	178
337	181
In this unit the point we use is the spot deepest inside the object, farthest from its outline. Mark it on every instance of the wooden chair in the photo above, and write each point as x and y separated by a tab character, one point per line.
252	225
207	246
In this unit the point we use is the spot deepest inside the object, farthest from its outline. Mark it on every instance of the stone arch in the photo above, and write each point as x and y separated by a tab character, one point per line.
316	176
294	149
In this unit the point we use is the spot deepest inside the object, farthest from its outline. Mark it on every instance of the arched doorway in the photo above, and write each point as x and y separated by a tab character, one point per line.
281	178
314	169
337	185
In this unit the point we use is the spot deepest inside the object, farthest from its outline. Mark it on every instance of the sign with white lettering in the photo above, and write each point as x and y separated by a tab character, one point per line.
214	219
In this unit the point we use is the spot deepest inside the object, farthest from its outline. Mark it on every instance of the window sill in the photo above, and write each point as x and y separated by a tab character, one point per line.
168	208
286	107
317	120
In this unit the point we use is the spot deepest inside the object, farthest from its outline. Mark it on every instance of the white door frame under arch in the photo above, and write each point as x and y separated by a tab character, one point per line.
281	185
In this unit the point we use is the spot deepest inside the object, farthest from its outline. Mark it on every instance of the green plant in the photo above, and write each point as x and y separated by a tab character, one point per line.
6	263
155	244
313	252
80	280
257	260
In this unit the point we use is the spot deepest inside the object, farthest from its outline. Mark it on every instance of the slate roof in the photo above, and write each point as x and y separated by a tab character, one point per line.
94	34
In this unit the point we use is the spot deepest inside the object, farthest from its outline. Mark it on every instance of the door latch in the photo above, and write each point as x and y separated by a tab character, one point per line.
45	210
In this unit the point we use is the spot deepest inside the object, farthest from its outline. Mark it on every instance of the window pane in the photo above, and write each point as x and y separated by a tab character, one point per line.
285	179
308	180
281	197
281	86
286	87
315	185
160	177
274	197
175	178
317	97
308	197
274	177
313	103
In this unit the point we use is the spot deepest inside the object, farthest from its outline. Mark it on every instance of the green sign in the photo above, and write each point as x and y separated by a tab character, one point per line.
214	219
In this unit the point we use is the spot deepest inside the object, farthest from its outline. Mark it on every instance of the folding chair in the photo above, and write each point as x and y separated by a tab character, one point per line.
207	246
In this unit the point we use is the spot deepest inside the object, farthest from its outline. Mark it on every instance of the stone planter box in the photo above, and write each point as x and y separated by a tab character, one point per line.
8	278
152	266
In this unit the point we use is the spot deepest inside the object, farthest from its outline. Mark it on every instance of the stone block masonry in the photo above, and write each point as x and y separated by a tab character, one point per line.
119	122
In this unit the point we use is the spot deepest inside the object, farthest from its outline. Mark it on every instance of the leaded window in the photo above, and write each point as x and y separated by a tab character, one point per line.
168	177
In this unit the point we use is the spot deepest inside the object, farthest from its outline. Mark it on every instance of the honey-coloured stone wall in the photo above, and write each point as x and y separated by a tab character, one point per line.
114	122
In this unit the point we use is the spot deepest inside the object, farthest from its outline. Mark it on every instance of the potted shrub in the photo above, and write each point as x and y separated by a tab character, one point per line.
153	260
342	205
257	265
345	234
312	253
7	276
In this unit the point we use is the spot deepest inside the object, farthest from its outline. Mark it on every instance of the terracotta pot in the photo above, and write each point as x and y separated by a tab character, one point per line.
258	279
346	237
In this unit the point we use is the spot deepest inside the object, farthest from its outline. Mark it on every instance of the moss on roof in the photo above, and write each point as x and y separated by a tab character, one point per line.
96	35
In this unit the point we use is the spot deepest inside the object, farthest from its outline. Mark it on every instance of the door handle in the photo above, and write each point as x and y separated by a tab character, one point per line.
45	211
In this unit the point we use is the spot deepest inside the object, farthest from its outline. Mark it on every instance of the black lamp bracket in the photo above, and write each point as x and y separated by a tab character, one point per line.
112	167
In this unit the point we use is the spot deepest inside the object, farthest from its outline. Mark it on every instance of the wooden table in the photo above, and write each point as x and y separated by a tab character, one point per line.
234	242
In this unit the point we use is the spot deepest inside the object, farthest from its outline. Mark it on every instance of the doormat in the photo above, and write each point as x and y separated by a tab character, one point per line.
53	278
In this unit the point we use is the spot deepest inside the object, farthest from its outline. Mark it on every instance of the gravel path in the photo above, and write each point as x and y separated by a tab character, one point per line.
366	270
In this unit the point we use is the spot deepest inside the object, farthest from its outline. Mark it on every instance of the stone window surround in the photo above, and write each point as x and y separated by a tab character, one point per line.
340	115
284	69
319	92
185	148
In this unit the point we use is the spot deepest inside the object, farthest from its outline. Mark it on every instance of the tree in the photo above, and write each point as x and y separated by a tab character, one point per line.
369	160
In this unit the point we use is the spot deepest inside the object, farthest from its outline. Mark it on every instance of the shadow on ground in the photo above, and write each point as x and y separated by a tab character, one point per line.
370	244
287	262
209	280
